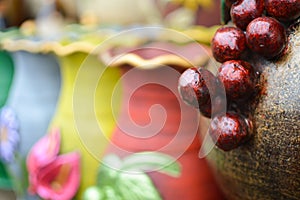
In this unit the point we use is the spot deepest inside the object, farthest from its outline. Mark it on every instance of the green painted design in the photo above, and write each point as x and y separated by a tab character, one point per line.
152	161
12	33
84	105
225	13
5	182
6	76
126	179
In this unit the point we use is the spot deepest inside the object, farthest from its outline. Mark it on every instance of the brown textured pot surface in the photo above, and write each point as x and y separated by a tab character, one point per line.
268	166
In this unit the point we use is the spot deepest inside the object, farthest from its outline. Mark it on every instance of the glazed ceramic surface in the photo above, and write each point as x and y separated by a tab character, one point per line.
33	95
6	73
94	100
152	118
85	99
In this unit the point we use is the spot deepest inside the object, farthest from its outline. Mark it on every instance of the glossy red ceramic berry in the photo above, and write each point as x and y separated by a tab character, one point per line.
229	3
205	109
284	10
238	78
196	85
266	36
229	131
216	106
244	11
228	43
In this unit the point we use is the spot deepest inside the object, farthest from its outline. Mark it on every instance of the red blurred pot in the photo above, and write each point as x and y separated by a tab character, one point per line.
171	128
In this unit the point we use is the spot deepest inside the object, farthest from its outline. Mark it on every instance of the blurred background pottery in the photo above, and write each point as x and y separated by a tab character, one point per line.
33	95
30	87
88	93
43	93
76	115
170	13
152	117
142	127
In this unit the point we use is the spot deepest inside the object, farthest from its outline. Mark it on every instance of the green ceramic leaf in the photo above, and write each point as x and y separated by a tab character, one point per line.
137	186
93	193
113	161
104	193
6	76
125	179
109	170
152	161
5	182
111	193
225	13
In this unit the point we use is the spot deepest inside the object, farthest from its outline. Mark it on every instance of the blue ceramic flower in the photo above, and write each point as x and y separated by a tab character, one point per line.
9	134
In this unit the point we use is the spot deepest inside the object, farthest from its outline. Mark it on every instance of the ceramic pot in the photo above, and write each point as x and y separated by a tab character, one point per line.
153	118
87	120
267	166
84	100
33	95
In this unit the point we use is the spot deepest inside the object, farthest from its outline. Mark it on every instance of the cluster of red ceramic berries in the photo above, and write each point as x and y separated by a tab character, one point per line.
239	81
235	83
263	22
258	30
196	87
264	35
201	89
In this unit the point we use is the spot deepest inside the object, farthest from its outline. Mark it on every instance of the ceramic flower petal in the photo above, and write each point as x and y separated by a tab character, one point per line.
9	134
44	151
41	154
60	179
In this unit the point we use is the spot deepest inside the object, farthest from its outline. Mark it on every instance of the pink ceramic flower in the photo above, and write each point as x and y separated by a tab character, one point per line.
60	179
41	154
44	151
53	176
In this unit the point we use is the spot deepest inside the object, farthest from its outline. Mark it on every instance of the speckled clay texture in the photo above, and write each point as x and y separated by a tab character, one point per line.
267	167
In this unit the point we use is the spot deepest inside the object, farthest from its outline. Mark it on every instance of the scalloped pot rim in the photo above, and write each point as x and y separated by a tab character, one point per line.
137	61
156	54
200	34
